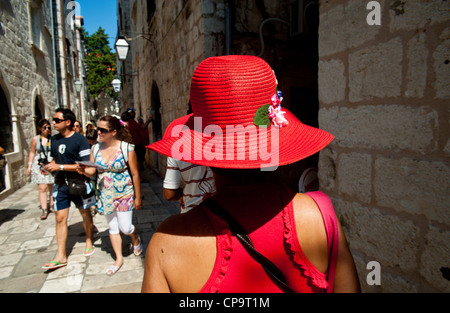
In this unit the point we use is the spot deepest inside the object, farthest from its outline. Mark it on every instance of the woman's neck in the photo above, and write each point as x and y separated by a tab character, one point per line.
110	143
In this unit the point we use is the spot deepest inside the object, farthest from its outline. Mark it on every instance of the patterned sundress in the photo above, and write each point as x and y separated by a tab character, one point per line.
41	152
114	184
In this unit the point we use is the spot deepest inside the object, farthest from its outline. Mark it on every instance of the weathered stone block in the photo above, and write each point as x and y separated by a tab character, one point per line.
376	71
415	14
386	127
417	66
387	239
441	64
344	27
435	258
213	25
413	186
354	173
327	169
332	81
396	283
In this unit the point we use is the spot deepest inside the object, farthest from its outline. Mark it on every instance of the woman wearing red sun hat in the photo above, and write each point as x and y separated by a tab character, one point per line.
254	234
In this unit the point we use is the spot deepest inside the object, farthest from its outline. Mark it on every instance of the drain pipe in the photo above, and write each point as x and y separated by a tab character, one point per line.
58	105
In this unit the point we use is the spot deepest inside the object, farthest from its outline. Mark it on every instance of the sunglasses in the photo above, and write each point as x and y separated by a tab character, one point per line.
58	120
104	130
46	128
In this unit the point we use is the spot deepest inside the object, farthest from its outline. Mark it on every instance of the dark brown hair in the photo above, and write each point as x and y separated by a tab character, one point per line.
123	133
42	123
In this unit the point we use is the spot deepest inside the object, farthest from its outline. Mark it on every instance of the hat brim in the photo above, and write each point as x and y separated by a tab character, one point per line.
240	147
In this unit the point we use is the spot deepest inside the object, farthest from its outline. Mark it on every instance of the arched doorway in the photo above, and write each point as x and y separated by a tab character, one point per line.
39	111
157	122
6	137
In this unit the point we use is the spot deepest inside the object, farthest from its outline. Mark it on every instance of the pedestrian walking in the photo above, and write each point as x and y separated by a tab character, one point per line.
254	234
2	166
118	184
38	157
67	148
78	127
137	132
197	182
89	125
91	136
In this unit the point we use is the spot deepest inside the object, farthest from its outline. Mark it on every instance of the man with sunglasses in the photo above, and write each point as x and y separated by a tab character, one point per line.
67	148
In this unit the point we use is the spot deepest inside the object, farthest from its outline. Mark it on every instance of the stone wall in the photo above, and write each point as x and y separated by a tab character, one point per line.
26	74
384	93
31	43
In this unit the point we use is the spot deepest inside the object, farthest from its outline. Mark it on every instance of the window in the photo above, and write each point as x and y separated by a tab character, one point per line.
35	15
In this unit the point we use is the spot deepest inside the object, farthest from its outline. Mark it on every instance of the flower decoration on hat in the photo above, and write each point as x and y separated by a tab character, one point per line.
275	112
271	113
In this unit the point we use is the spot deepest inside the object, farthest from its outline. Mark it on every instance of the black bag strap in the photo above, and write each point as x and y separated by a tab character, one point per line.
270	268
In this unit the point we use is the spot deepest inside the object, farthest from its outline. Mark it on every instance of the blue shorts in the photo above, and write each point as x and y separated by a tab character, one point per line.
62	198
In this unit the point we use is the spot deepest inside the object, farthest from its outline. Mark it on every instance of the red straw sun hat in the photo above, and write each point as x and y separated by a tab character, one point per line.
237	120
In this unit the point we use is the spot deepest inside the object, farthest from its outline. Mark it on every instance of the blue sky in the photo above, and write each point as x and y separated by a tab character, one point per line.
98	13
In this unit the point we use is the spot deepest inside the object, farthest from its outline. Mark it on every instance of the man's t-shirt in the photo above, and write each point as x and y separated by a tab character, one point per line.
67	151
197	180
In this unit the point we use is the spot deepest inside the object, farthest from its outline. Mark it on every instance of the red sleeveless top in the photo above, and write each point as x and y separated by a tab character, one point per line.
235	271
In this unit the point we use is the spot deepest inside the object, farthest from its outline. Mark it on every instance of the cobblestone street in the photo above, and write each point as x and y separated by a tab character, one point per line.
28	243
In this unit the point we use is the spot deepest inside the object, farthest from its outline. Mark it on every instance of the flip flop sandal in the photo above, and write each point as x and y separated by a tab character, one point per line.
55	265
112	270
88	252
137	250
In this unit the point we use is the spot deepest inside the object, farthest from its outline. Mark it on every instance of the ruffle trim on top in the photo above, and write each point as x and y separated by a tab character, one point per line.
318	279
224	251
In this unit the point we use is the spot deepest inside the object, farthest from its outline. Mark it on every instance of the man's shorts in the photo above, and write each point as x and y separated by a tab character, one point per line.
62	198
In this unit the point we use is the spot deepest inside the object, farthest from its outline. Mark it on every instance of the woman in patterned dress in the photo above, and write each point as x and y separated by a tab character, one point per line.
40	155
118	184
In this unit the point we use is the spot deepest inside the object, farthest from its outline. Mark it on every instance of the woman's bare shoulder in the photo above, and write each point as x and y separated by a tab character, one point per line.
306	209
181	242
311	231
181	232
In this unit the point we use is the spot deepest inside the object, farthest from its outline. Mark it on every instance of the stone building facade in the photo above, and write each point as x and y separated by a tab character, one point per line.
382	90
38	61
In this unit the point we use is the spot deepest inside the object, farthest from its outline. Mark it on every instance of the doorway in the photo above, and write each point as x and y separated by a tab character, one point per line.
6	137
156	124
295	60
38	112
